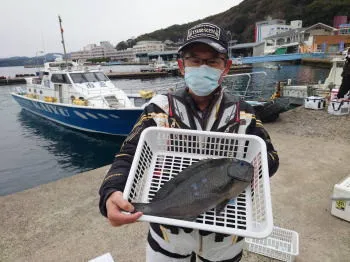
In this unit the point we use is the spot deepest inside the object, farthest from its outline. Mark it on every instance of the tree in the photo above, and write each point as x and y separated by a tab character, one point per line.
122	45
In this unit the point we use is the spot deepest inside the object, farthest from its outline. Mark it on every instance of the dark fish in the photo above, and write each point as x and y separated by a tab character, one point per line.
202	186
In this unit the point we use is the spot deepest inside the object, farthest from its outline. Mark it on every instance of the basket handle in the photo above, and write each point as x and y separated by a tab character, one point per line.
340	104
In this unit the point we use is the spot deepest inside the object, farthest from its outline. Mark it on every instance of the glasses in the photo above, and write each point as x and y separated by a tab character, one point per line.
212	62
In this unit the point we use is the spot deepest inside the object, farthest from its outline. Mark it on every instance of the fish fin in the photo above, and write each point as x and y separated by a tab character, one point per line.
221	206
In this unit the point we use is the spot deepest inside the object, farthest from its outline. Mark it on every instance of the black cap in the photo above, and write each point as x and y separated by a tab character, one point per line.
209	34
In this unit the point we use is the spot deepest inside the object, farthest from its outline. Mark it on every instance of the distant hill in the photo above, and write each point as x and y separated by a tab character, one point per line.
23	60
240	20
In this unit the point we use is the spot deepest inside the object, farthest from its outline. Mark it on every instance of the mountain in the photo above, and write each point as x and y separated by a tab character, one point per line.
240	20
23	60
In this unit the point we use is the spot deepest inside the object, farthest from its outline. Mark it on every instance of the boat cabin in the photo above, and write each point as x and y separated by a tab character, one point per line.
70	83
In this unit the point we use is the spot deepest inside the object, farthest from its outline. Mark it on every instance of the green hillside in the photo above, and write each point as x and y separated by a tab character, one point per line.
23	60
240	20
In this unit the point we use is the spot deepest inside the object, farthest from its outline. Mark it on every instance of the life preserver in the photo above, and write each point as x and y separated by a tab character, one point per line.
80	102
50	99
146	94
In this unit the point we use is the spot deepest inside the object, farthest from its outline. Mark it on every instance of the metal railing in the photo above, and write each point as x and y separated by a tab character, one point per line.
160	88
243	85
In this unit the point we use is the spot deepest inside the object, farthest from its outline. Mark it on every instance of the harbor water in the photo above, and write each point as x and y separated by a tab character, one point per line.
35	151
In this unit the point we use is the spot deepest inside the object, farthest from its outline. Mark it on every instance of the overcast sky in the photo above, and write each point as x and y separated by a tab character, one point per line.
29	26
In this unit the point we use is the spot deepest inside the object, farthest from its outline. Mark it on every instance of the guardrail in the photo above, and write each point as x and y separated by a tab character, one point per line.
276	58
234	84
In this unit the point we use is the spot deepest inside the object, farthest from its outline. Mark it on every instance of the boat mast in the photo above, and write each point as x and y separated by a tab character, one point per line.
64	47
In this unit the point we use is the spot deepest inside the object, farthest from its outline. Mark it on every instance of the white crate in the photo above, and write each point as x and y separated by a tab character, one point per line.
315	102
339	108
282	244
163	152
295	91
341	199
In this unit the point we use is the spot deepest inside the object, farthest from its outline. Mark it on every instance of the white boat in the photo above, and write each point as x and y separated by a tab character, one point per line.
297	93
78	97
272	66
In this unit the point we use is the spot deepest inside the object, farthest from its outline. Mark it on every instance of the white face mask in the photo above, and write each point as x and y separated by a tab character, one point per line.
202	80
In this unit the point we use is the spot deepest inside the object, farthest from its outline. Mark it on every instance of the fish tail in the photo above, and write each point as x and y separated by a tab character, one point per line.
141	207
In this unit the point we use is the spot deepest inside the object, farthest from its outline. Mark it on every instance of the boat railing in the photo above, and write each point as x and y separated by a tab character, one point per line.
100	94
72	98
72	68
159	88
98	91
244	86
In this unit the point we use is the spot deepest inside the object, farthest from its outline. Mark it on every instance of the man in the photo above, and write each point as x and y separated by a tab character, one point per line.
345	84
202	105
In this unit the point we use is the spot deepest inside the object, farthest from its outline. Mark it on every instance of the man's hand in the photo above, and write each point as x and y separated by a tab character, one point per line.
115	205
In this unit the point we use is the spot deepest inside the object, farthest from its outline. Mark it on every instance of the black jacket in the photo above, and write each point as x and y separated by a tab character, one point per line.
346	68
178	110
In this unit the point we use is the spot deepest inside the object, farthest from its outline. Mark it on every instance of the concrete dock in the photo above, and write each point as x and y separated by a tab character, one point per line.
60	221
12	81
317	62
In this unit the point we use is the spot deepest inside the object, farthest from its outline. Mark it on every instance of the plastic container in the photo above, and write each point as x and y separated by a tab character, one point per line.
339	108
282	244
341	199
334	94
163	152
315	102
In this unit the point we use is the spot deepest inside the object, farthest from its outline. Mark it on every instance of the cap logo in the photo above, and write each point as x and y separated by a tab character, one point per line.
204	30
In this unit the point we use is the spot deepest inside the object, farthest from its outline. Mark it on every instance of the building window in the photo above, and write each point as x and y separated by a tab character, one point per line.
270	43
280	41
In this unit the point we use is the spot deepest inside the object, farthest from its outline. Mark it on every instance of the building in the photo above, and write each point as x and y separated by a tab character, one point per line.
148	46
303	39
142	51
246	49
332	44
169	55
344	29
339	20
93	51
264	29
127	55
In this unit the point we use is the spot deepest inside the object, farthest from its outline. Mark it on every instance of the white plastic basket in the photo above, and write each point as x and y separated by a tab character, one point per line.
163	152
282	244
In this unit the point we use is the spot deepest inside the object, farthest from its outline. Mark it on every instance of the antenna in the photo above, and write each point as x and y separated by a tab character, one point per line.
64	47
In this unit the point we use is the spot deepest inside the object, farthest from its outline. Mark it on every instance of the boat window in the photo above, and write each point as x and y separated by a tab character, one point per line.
60	65
60	78
78	78
88	77
101	76
91	77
